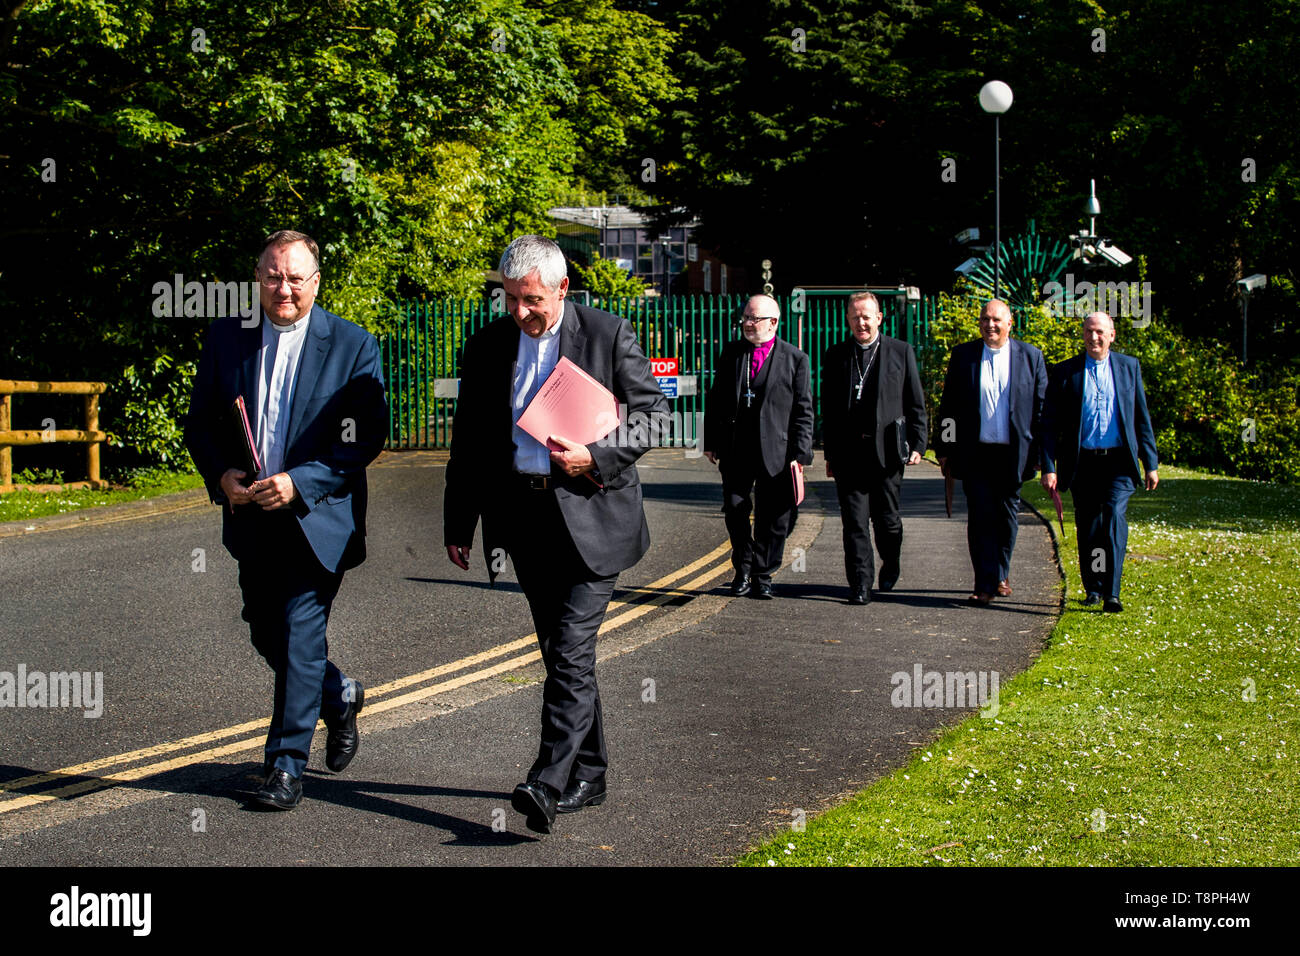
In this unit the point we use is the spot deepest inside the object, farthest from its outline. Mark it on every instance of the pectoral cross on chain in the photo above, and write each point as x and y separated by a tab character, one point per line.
749	397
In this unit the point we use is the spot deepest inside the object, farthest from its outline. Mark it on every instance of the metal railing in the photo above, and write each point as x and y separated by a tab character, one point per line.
421	356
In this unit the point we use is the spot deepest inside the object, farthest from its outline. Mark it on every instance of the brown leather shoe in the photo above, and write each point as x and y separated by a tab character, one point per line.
1004	589
979	597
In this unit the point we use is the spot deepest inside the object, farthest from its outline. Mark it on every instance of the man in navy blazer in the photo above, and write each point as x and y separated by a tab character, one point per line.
758	425
314	391
569	516
1096	435
987	435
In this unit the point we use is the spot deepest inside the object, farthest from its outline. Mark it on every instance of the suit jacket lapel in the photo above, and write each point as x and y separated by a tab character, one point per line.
250	351
742	356
881	356
310	363
849	374
1014	378
573	340
1076	386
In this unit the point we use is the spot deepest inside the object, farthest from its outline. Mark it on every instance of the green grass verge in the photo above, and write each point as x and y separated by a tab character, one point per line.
18	505
1166	735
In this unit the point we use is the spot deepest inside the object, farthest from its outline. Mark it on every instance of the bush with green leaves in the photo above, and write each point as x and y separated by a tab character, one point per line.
146	405
606	279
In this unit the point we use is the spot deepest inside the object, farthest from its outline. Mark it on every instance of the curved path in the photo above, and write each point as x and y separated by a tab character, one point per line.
725	718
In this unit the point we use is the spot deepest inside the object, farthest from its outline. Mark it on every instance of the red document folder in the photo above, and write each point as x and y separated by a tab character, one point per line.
796	477
570	404
249	460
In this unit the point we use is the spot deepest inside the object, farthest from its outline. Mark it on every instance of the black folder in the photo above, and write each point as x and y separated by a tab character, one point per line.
245	444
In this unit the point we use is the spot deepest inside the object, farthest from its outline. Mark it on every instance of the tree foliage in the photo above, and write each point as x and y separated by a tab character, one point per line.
605	279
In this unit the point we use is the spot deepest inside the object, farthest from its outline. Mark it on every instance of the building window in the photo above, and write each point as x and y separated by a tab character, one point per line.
722	279
708	276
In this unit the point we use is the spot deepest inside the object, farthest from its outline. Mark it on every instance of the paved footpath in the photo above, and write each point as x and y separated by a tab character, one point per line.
724	717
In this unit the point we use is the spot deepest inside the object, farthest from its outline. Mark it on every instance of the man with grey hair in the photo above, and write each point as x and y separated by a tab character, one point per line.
873	425
1096	436
568	515
314	393
758	427
988	433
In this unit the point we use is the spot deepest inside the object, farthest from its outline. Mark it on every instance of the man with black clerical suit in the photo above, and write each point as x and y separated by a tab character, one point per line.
569	516
1097	435
758	425
873	424
987	431
314	392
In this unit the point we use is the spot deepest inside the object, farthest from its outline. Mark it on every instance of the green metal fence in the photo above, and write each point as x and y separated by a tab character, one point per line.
421	357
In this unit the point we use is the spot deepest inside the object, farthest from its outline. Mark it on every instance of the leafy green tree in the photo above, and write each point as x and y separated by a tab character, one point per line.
605	279
412	140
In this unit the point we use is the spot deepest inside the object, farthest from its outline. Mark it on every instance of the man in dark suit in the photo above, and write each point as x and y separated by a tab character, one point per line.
758	424
569	515
873	424
314	390
988	433
1095	430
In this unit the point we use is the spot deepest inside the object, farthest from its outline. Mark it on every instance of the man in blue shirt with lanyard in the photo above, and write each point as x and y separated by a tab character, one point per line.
1095	428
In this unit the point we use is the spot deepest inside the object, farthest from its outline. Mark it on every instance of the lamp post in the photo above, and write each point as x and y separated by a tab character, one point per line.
995	98
1247	286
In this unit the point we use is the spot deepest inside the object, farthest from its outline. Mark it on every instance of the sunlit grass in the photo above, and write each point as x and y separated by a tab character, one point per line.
17	505
1166	735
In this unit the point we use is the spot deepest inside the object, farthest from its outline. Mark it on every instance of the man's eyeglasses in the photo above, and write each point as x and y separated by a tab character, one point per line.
755	320
272	281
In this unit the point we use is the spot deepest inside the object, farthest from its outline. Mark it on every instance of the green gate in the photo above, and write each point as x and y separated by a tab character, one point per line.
421	356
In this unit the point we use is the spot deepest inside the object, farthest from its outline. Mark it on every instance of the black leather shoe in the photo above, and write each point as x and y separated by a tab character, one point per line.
581	793
762	591
536	801
281	791
888	575
740	585
1092	598
860	595
1112	606
342	742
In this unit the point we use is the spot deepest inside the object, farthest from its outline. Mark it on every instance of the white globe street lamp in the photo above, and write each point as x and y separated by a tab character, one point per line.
996	98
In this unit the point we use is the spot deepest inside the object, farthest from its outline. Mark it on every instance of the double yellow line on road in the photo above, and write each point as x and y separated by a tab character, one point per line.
618	613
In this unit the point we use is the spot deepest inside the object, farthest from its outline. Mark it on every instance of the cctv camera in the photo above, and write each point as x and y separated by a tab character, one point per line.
1113	254
1252	283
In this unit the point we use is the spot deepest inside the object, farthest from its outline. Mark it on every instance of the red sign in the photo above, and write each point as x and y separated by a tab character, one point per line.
663	366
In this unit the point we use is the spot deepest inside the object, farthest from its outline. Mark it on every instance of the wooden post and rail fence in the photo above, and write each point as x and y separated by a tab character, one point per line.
90	435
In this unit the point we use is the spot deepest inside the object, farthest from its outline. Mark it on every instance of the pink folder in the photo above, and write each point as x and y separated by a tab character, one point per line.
796	476
570	404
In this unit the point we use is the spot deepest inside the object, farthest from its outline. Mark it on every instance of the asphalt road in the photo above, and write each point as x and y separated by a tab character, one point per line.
726	719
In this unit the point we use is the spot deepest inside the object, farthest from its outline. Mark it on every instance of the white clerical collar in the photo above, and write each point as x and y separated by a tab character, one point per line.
866	345
1101	361
295	326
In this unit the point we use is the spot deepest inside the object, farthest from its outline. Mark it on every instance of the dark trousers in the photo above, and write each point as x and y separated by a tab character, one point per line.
867	494
758	554
287	599
992	507
1101	488
568	604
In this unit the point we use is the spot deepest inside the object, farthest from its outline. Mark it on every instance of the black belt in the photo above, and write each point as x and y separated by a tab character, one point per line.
533	482
1101	452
